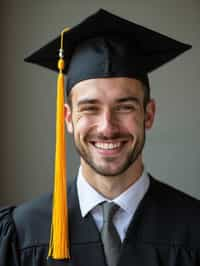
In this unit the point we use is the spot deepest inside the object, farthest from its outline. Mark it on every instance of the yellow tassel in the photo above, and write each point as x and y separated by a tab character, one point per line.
59	240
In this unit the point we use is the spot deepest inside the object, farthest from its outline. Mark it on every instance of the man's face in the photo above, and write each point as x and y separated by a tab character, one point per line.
108	122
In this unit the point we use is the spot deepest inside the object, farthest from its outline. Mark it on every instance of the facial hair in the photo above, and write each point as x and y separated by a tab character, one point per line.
131	156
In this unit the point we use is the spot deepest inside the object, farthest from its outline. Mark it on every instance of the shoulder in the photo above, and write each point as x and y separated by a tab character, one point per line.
32	221
172	216
31	210
7	237
5	213
7	228
173	198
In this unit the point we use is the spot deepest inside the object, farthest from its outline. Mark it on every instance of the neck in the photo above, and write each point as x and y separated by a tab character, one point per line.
112	186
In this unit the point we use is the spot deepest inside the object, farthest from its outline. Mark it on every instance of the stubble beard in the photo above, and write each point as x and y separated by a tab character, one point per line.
131	157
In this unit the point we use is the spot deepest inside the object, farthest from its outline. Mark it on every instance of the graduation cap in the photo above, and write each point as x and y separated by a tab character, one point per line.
103	45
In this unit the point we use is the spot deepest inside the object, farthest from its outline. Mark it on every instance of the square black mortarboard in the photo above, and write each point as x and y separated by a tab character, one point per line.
105	45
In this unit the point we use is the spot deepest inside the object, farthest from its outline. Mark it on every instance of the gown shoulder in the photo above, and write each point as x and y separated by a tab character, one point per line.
24	233
8	250
166	227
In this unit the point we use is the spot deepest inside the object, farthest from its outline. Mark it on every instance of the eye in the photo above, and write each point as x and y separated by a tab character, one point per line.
89	109
126	108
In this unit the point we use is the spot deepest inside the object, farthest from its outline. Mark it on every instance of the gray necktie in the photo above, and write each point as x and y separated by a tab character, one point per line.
109	235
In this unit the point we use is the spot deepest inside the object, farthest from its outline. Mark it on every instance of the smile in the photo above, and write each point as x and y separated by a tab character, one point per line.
107	146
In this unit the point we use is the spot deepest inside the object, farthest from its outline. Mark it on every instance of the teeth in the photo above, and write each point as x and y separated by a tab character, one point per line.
107	146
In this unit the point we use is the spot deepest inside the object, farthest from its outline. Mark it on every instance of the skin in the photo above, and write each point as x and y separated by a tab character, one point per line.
108	121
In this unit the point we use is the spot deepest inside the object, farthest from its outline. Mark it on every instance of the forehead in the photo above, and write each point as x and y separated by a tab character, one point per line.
107	89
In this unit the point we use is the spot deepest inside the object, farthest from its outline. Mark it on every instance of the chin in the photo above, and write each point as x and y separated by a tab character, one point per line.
108	171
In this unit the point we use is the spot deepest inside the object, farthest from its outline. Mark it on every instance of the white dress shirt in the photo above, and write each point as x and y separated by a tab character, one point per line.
89	200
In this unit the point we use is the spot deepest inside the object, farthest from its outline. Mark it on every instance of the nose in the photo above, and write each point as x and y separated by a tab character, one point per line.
108	124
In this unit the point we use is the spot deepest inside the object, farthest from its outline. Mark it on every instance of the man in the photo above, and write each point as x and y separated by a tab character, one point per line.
118	213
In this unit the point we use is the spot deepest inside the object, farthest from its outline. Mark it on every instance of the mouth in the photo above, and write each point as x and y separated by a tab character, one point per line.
108	147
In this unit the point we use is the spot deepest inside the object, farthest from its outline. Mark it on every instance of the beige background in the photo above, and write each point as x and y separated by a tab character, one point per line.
28	93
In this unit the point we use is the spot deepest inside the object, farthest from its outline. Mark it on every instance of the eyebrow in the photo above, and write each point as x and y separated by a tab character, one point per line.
87	101
120	100
129	99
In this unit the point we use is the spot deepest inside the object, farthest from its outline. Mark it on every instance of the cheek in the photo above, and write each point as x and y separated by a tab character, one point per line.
83	125
134	123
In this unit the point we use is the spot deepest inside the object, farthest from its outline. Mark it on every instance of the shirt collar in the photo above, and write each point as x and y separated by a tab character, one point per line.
89	198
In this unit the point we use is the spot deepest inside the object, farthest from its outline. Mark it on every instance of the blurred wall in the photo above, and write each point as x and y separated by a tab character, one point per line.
28	93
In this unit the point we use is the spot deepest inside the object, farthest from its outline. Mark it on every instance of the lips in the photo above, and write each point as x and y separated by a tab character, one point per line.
107	146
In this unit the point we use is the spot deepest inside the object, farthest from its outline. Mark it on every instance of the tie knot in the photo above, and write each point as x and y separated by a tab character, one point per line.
109	210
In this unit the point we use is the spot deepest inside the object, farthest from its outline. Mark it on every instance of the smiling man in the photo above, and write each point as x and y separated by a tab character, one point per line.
118	213
108	118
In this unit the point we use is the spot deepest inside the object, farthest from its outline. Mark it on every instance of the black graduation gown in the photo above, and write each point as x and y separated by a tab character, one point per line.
165	231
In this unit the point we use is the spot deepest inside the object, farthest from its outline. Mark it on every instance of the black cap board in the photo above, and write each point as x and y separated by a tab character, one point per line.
105	45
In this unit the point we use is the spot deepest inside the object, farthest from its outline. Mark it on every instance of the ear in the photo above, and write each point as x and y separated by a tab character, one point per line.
68	118
150	113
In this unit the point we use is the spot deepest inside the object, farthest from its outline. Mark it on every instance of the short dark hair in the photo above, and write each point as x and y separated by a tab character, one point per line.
147	94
